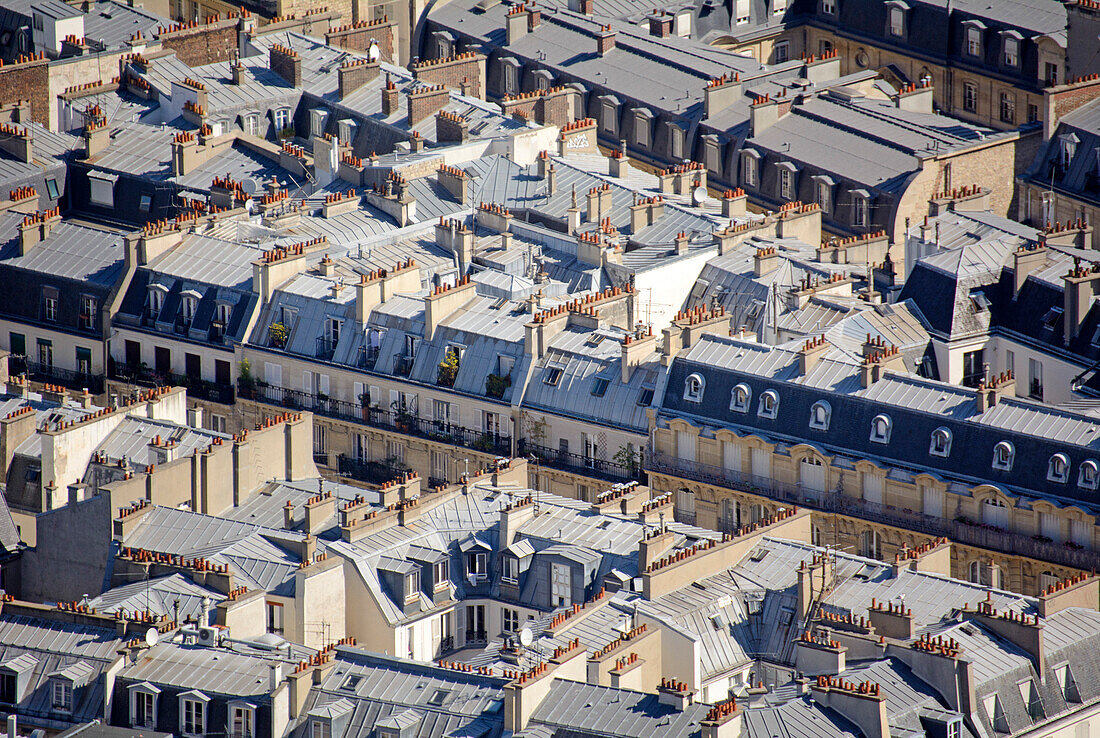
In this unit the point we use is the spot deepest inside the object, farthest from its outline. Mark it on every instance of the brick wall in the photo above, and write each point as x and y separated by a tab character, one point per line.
204	44
553	107
286	63
354	75
451	128
467	68
1064	99
27	81
357	37
427	101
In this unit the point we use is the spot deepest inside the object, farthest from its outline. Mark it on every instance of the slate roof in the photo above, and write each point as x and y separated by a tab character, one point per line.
209	670
1079	180
161	597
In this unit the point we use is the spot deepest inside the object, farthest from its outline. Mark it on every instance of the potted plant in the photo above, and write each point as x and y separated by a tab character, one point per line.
402	418
364	402
448	370
245	379
496	385
278	334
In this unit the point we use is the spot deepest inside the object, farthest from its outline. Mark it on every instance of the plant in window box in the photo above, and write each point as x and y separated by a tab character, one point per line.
402	418
278	334
629	457
448	370
496	385
483	443
364	402
287	132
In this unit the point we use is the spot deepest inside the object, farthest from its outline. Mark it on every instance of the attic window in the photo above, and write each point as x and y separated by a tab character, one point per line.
552	376
980	301
645	397
1003	456
1050	318
599	387
769	404
351	682
693	388
941	442
438	697
1086	477
1058	468
880	429
740	398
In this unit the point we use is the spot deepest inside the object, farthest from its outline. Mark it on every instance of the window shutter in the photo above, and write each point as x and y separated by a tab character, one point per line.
273	373
322	384
307	381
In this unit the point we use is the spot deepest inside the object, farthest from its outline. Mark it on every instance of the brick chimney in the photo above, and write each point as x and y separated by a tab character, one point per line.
605	40
391	101
660	23
286	63
354	74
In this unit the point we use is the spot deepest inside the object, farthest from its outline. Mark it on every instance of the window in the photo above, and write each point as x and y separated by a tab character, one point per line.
412	585
1032	112
1003	456
187	308
932	501
1035	379
193	717
693	388
250	124
477	565
62	695
143	710
155	299
1067	684
320	729
1050	72
243	722
1011	56
18	344
510	619
87	312
786	182
970	97
1086	476
145	202
974	41
870	544
825	46
824	196
996	713
599	386
859	211
769	404
102	189
52	189
779	7
83	360
552	376
828	7
318	117
742	14
897	21
1058	469
45	352
49	304
1067	149
880	429
275	618
346	129
941	443
511	569
1030	695
973	367
561	585
740	398
749	170
1008	108
781	52
820	415
947	176
282	119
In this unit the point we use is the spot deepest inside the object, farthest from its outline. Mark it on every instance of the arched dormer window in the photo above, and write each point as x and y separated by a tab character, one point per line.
1003	455
881	427
769	404
1058	469
1087	476
820	415
693	388
941	443
740	398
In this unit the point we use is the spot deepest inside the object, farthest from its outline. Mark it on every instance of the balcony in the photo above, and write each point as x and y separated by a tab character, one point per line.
446	645
402	365
368	357
400	422
39	372
182	325
197	387
960	530
217	330
585	466
374	472
326	347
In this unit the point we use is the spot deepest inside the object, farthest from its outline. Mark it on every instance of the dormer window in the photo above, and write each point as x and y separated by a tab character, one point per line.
320	728
1087	475
511	570
477	565
820	415
1058	469
282	120
187	308
974	39
1003	456
1011	49
193	713
243	716
750	168
155	298
441	574
740	398
62	695
1067	149
769	404
941	443
880	429
412	585
693	388
896	12
143	706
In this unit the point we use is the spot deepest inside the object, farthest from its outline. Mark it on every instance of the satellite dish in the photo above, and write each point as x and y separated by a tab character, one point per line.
698	195
249	186
151	637
526	637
